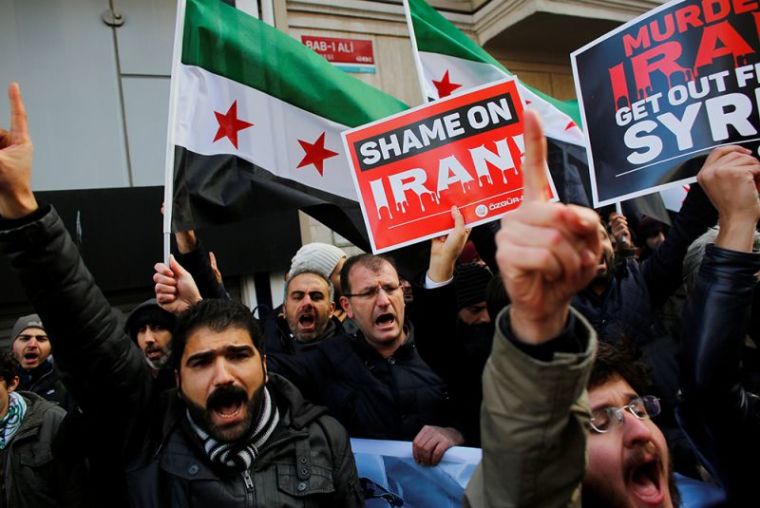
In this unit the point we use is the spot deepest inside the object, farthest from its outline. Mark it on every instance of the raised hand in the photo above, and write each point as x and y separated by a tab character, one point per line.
16	150
546	252
444	250
175	287
730	177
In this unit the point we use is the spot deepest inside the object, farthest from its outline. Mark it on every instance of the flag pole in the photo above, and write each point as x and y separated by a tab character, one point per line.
415	51
169	164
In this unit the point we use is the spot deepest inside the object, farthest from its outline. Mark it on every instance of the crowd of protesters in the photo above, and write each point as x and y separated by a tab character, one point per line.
560	356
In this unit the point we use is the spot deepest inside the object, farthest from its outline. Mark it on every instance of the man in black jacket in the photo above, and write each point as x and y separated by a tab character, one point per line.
228	437
32	475
31	348
717	412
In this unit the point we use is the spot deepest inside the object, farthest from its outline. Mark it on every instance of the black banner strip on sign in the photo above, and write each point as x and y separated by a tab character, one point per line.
435	131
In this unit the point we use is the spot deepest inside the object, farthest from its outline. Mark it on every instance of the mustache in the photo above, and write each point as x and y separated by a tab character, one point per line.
226	395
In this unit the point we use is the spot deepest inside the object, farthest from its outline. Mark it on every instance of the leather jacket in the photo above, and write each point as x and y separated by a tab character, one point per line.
720	417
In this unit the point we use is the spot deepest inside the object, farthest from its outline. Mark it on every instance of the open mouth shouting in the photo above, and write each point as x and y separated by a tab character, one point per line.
226	406
31	359
307	321
385	322
646	480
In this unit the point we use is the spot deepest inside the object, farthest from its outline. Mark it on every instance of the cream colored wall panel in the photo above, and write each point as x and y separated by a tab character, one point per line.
563	86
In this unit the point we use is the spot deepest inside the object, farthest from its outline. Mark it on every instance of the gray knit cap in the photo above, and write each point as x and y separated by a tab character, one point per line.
317	257
24	322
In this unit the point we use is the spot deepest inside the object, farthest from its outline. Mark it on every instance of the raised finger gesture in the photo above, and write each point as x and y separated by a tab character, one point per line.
546	251
16	150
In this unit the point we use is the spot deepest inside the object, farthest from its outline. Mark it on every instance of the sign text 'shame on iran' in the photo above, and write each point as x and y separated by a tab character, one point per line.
411	168
666	88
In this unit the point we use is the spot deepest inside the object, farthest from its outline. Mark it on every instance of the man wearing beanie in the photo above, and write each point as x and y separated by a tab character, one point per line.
470	282
31	349
150	327
321	258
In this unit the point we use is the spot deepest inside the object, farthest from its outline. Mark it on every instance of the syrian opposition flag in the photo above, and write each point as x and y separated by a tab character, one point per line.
255	123
451	62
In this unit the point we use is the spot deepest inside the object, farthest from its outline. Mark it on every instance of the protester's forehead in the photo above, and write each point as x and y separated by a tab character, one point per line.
363	275
614	392
33	330
307	282
205	339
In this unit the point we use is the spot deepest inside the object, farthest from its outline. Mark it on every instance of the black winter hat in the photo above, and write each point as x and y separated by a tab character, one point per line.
470	282
148	313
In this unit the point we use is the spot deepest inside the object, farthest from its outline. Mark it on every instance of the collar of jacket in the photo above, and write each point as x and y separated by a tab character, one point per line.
367	352
30	377
34	417
334	327
296	413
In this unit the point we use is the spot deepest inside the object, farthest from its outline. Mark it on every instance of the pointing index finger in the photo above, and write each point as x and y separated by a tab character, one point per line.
19	127
534	164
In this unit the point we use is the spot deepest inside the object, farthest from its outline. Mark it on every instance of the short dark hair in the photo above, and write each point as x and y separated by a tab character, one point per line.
218	315
620	360
370	261
8	367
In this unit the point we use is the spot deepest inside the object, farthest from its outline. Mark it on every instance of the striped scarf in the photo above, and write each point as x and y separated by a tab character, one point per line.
241	455
11	422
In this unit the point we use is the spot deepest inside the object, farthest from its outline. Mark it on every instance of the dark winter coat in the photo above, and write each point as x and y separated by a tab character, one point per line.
308	463
33	477
718	414
372	396
628	307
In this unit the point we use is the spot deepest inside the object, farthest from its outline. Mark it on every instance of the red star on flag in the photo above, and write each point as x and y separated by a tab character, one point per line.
315	153
445	86
230	125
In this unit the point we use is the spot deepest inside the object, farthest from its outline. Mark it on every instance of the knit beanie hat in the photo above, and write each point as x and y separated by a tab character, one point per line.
148	313
317	257
24	322
470	282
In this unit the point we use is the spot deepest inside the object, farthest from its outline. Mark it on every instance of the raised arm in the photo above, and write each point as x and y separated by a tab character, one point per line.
532	420
104	370
717	412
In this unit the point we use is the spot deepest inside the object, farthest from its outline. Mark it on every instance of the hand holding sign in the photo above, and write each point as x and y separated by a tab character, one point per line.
16	149
546	251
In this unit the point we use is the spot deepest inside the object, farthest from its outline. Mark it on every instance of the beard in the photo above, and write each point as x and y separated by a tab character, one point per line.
159	362
595	496
219	397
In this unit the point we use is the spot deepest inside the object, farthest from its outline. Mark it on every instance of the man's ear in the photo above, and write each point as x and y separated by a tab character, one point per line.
176	378
266	372
346	304
332	307
14	384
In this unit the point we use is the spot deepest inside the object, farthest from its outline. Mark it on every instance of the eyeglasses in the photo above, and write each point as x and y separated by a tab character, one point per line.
603	419
371	293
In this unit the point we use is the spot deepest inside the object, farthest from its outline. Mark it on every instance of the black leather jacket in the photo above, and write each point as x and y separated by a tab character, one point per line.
308	462
718	414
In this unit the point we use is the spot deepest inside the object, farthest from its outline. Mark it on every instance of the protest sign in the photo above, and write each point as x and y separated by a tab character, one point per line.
409	169
397	478
666	88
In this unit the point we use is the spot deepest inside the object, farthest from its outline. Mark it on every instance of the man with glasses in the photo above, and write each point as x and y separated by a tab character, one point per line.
374	381
628	459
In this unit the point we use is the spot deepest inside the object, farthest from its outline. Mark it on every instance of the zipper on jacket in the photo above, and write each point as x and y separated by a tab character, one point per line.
248	481
248	487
